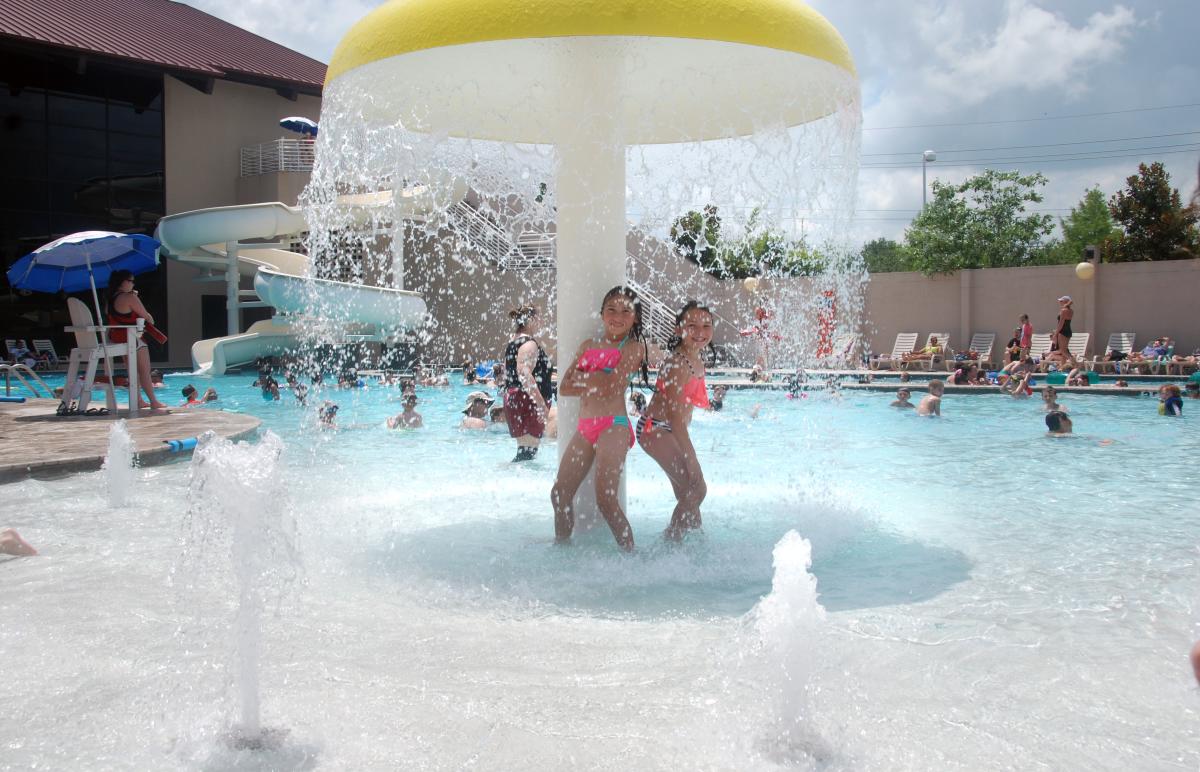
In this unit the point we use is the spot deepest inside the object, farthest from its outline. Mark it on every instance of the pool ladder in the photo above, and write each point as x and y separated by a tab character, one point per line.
18	369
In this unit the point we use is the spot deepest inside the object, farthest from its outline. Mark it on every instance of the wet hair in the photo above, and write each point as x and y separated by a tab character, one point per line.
522	315
188	391
1172	389
1024	317
936	382
692	305
636	331
1054	420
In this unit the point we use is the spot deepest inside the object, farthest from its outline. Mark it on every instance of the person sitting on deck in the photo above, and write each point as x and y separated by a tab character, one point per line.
1154	349
1013	347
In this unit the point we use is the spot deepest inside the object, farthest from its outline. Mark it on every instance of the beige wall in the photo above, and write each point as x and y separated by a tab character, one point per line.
204	134
1150	299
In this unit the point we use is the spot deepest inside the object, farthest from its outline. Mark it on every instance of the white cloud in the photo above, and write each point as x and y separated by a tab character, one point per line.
1032	50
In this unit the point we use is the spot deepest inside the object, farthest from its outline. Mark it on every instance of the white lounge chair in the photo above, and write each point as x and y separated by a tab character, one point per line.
943	342
88	353
905	343
1039	345
9	345
982	344
841	352
1078	347
46	347
1118	342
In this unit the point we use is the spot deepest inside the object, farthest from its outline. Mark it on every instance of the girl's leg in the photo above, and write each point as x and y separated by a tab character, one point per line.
573	467
611	449
689	491
143	366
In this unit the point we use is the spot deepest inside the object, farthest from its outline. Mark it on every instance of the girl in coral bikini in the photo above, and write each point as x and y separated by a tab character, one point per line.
599	376
663	428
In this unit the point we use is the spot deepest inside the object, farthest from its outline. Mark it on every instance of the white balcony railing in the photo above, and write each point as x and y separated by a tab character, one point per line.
281	155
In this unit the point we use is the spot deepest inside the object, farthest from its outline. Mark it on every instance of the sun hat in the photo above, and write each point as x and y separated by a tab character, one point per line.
476	396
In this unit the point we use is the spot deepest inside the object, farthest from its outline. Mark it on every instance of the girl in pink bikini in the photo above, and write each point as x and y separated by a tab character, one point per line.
599	376
663	428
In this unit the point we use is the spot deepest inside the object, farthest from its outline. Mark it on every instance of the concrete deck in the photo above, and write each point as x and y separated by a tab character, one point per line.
36	443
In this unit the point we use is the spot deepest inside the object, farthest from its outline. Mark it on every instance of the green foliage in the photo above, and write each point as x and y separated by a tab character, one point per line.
1089	224
1157	226
761	250
883	255
979	224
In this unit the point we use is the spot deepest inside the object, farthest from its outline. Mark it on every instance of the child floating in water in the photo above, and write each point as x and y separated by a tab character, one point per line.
931	404
1170	402
598	377
902	396
1058	423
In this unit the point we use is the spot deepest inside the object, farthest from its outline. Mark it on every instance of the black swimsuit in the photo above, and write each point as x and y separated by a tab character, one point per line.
1066	328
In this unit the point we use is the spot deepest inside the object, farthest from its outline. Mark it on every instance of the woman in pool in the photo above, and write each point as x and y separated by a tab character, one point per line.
599	376
527	388
662	430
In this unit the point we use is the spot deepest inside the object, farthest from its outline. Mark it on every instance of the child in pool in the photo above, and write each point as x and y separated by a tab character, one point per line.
931	403
1170	401
902	396
662	430
409	418
599	376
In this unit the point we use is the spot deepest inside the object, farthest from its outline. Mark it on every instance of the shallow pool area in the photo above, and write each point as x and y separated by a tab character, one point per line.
993	598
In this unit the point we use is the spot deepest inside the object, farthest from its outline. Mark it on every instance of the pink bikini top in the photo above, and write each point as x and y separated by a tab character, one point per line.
600	359
695	391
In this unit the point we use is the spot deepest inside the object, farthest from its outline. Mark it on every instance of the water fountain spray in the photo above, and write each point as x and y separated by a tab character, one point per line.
598	82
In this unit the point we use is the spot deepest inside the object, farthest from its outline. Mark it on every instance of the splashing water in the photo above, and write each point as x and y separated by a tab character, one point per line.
788	622
238	509
118	465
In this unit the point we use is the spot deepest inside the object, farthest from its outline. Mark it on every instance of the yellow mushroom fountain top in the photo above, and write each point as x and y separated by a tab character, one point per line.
467	63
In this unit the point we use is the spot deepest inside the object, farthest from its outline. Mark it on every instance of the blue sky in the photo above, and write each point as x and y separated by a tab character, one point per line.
998	79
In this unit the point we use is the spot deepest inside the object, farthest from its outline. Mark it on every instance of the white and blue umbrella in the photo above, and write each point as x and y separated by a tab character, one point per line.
82	261
300	125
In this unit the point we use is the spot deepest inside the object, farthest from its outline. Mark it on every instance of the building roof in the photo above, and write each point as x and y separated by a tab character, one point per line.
160	33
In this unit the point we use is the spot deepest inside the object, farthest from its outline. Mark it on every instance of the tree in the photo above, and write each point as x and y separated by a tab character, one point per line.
883	255
1089	224
1157	226
760	250
979	224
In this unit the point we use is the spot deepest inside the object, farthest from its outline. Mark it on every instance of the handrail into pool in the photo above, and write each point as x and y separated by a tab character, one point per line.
16	369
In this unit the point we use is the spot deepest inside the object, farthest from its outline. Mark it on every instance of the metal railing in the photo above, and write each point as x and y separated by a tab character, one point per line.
280	155
17	370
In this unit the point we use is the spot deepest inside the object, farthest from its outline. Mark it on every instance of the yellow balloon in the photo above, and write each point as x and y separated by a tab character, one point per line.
1085	271
750	283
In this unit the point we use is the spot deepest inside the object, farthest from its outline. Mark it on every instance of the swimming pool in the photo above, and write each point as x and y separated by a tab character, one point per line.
995	598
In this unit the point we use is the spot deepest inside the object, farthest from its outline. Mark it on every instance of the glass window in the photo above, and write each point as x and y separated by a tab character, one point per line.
23	193
73	111
125	118
131	147
77	141
29	103
76	168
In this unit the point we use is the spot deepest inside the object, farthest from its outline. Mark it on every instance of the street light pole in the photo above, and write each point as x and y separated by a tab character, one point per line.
927	157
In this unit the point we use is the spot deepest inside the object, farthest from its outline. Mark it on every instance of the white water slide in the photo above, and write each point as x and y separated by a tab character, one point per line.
202	238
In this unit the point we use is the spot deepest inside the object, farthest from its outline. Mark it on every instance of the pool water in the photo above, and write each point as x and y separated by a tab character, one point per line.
995	598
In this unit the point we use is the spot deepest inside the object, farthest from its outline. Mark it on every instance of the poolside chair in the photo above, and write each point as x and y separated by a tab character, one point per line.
46	347
1039	345
9	345
841	352
1078	347
905	343
89	353
1119	342
981	344
943	339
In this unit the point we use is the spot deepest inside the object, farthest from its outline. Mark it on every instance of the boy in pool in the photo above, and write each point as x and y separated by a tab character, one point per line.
902	396
1050	398
931	404
410	418
1058	423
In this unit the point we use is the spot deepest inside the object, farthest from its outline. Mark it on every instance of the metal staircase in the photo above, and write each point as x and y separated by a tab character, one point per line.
531	251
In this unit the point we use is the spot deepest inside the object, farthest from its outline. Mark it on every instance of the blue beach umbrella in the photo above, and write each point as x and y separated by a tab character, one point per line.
82	261
300	125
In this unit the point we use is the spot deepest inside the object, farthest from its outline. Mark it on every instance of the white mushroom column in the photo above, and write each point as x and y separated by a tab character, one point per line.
590	218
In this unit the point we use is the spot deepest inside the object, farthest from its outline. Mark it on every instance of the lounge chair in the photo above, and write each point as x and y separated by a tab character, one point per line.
982	344
1039	345
89	353
1078	347
841	352
9	345
46	347
1121	342
943	341
905	343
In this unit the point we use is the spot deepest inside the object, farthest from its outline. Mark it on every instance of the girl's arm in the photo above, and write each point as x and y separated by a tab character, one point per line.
573	383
